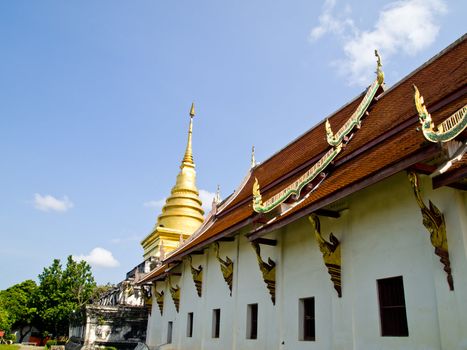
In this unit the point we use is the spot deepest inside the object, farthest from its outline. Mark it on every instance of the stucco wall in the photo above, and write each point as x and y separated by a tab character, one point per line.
381	234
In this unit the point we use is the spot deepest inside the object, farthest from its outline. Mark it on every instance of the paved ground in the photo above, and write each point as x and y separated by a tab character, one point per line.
30	347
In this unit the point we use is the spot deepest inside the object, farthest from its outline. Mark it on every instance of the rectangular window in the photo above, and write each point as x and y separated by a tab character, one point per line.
252	321
169	332
307	319
189	325
216	322
392	307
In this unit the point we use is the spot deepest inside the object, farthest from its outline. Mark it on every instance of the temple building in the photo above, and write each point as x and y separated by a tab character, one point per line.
118	318
353	236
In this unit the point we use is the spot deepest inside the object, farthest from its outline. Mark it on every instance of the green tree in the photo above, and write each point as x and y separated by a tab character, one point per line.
18	302
62	292
5	319
100	291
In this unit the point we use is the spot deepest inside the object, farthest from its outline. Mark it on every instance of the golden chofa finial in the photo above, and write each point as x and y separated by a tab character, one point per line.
217	197
253	160
188	157
379	71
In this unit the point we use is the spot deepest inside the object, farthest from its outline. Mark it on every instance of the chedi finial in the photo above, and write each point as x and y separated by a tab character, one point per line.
188	157
192	110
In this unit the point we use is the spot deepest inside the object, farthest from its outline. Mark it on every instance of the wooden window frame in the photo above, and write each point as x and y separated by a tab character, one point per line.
216	323
392	309
252	321
189	325
307	322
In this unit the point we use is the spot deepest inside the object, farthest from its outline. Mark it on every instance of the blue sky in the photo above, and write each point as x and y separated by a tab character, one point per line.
95	98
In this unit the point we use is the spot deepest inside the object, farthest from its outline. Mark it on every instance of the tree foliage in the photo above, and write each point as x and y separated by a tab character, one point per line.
48	306
5	319
63	292
18	304
100	291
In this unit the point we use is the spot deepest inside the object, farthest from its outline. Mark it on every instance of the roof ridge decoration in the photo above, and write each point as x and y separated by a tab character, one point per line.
446	131
253	160
336	141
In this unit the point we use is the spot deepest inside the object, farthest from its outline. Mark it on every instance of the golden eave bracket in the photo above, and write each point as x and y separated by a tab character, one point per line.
226	267
159	299
197	274
175	293
268	269
433	220
331	251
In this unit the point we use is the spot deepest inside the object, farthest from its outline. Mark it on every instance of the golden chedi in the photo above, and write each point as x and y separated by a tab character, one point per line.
182	213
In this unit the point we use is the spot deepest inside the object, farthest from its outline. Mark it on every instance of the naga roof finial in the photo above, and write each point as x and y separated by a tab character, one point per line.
379	71
217	197
253	160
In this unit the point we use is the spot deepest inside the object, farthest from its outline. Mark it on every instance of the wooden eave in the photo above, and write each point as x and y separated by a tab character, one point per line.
455	177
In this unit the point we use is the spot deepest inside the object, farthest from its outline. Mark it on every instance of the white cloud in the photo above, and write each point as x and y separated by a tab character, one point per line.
406	26
99	257
329	22
50	203
205	196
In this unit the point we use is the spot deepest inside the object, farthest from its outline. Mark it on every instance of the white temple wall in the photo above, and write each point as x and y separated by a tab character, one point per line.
381	235
386	238
302	275
452	308
154	332
191	302
251	289
216	295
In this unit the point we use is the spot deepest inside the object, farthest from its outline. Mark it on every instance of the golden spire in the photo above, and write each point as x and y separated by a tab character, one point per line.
188	158
182	213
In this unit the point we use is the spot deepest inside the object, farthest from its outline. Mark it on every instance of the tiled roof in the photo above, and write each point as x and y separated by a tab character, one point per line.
388	136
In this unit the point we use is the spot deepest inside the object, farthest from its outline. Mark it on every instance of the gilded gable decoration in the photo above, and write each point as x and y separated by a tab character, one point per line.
434	222
175	293
268	269
197	274
447	130
331	251
226	267
336	141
